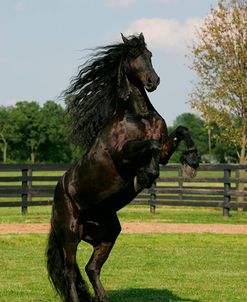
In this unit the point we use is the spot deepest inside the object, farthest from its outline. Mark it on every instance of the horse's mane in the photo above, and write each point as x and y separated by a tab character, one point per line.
92	97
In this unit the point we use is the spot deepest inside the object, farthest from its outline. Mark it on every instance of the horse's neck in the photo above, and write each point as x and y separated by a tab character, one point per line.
139	102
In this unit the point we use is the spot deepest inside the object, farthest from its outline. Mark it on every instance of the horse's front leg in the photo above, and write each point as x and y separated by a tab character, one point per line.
141	160
147	174
190	158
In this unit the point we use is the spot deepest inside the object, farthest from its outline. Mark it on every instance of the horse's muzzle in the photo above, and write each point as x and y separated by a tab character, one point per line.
152	83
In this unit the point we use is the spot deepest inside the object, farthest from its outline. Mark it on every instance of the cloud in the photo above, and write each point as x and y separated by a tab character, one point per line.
164	1
169	35
8	102
121	3
19	7
127	3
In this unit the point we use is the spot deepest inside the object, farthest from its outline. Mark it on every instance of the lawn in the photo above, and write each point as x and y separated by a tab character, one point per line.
141	268
146	267
134	214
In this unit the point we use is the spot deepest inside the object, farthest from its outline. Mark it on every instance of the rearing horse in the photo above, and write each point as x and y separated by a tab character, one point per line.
125	140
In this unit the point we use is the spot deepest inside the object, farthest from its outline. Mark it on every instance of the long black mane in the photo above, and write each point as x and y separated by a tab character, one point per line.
92	96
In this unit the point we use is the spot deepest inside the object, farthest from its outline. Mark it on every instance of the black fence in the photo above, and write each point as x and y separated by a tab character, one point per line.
223	185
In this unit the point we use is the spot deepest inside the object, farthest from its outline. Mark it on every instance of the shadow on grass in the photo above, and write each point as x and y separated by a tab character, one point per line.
147	295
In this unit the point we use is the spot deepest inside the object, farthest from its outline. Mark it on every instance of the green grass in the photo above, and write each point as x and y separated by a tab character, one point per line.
141	268
150	268
34	215
134	213
181	215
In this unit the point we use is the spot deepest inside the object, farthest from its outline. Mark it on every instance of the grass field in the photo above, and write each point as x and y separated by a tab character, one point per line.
141	268
134	213
150	268
146	267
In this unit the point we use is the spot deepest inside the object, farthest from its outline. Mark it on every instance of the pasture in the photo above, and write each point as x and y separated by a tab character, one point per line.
142	267
164	214
150	268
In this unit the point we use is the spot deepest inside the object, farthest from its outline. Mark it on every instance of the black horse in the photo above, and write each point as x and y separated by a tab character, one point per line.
124	141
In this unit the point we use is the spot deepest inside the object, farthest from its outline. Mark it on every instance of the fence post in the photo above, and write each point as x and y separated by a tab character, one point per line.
227	194
180	183
152	200
239	189
26	186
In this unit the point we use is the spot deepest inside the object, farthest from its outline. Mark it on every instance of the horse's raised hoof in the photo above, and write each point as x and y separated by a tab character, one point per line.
190	161
189	171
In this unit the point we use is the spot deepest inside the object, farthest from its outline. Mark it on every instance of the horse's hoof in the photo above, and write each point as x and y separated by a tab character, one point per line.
189	171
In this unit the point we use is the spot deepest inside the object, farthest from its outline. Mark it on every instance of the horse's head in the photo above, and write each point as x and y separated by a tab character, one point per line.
136	66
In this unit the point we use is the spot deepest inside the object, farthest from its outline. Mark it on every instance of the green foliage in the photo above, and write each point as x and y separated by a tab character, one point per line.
55	147
219	58
27	129
30	132
4	131
34	133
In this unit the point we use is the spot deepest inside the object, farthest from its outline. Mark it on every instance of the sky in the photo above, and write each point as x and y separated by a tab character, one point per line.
42	43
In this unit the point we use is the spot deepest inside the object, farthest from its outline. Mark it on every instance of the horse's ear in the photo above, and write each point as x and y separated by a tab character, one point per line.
123	87
125	40
141	37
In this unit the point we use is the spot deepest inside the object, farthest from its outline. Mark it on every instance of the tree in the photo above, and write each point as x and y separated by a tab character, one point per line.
28	132
219	57
55	147
4	132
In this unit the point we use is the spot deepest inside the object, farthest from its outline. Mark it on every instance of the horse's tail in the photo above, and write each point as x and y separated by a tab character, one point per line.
56	271
55	264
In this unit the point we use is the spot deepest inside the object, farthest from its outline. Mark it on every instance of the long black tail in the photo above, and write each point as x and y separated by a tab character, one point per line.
56	269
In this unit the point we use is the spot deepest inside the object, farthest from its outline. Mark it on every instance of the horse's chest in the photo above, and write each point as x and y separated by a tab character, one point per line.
134	127
153	128
145	128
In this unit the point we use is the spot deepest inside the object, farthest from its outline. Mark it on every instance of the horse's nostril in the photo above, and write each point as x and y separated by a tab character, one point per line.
154	81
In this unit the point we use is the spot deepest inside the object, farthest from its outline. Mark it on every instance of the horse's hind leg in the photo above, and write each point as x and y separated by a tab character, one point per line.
102	234
76	288
69	251
93	268
61	253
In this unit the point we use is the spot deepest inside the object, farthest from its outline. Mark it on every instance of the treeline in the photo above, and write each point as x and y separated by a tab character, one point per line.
33	133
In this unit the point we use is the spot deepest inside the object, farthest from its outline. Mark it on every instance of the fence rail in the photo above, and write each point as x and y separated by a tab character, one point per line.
222	185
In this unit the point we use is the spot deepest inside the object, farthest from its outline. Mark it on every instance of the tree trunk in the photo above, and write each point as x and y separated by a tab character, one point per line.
33	155
209	143
242	160
4	148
